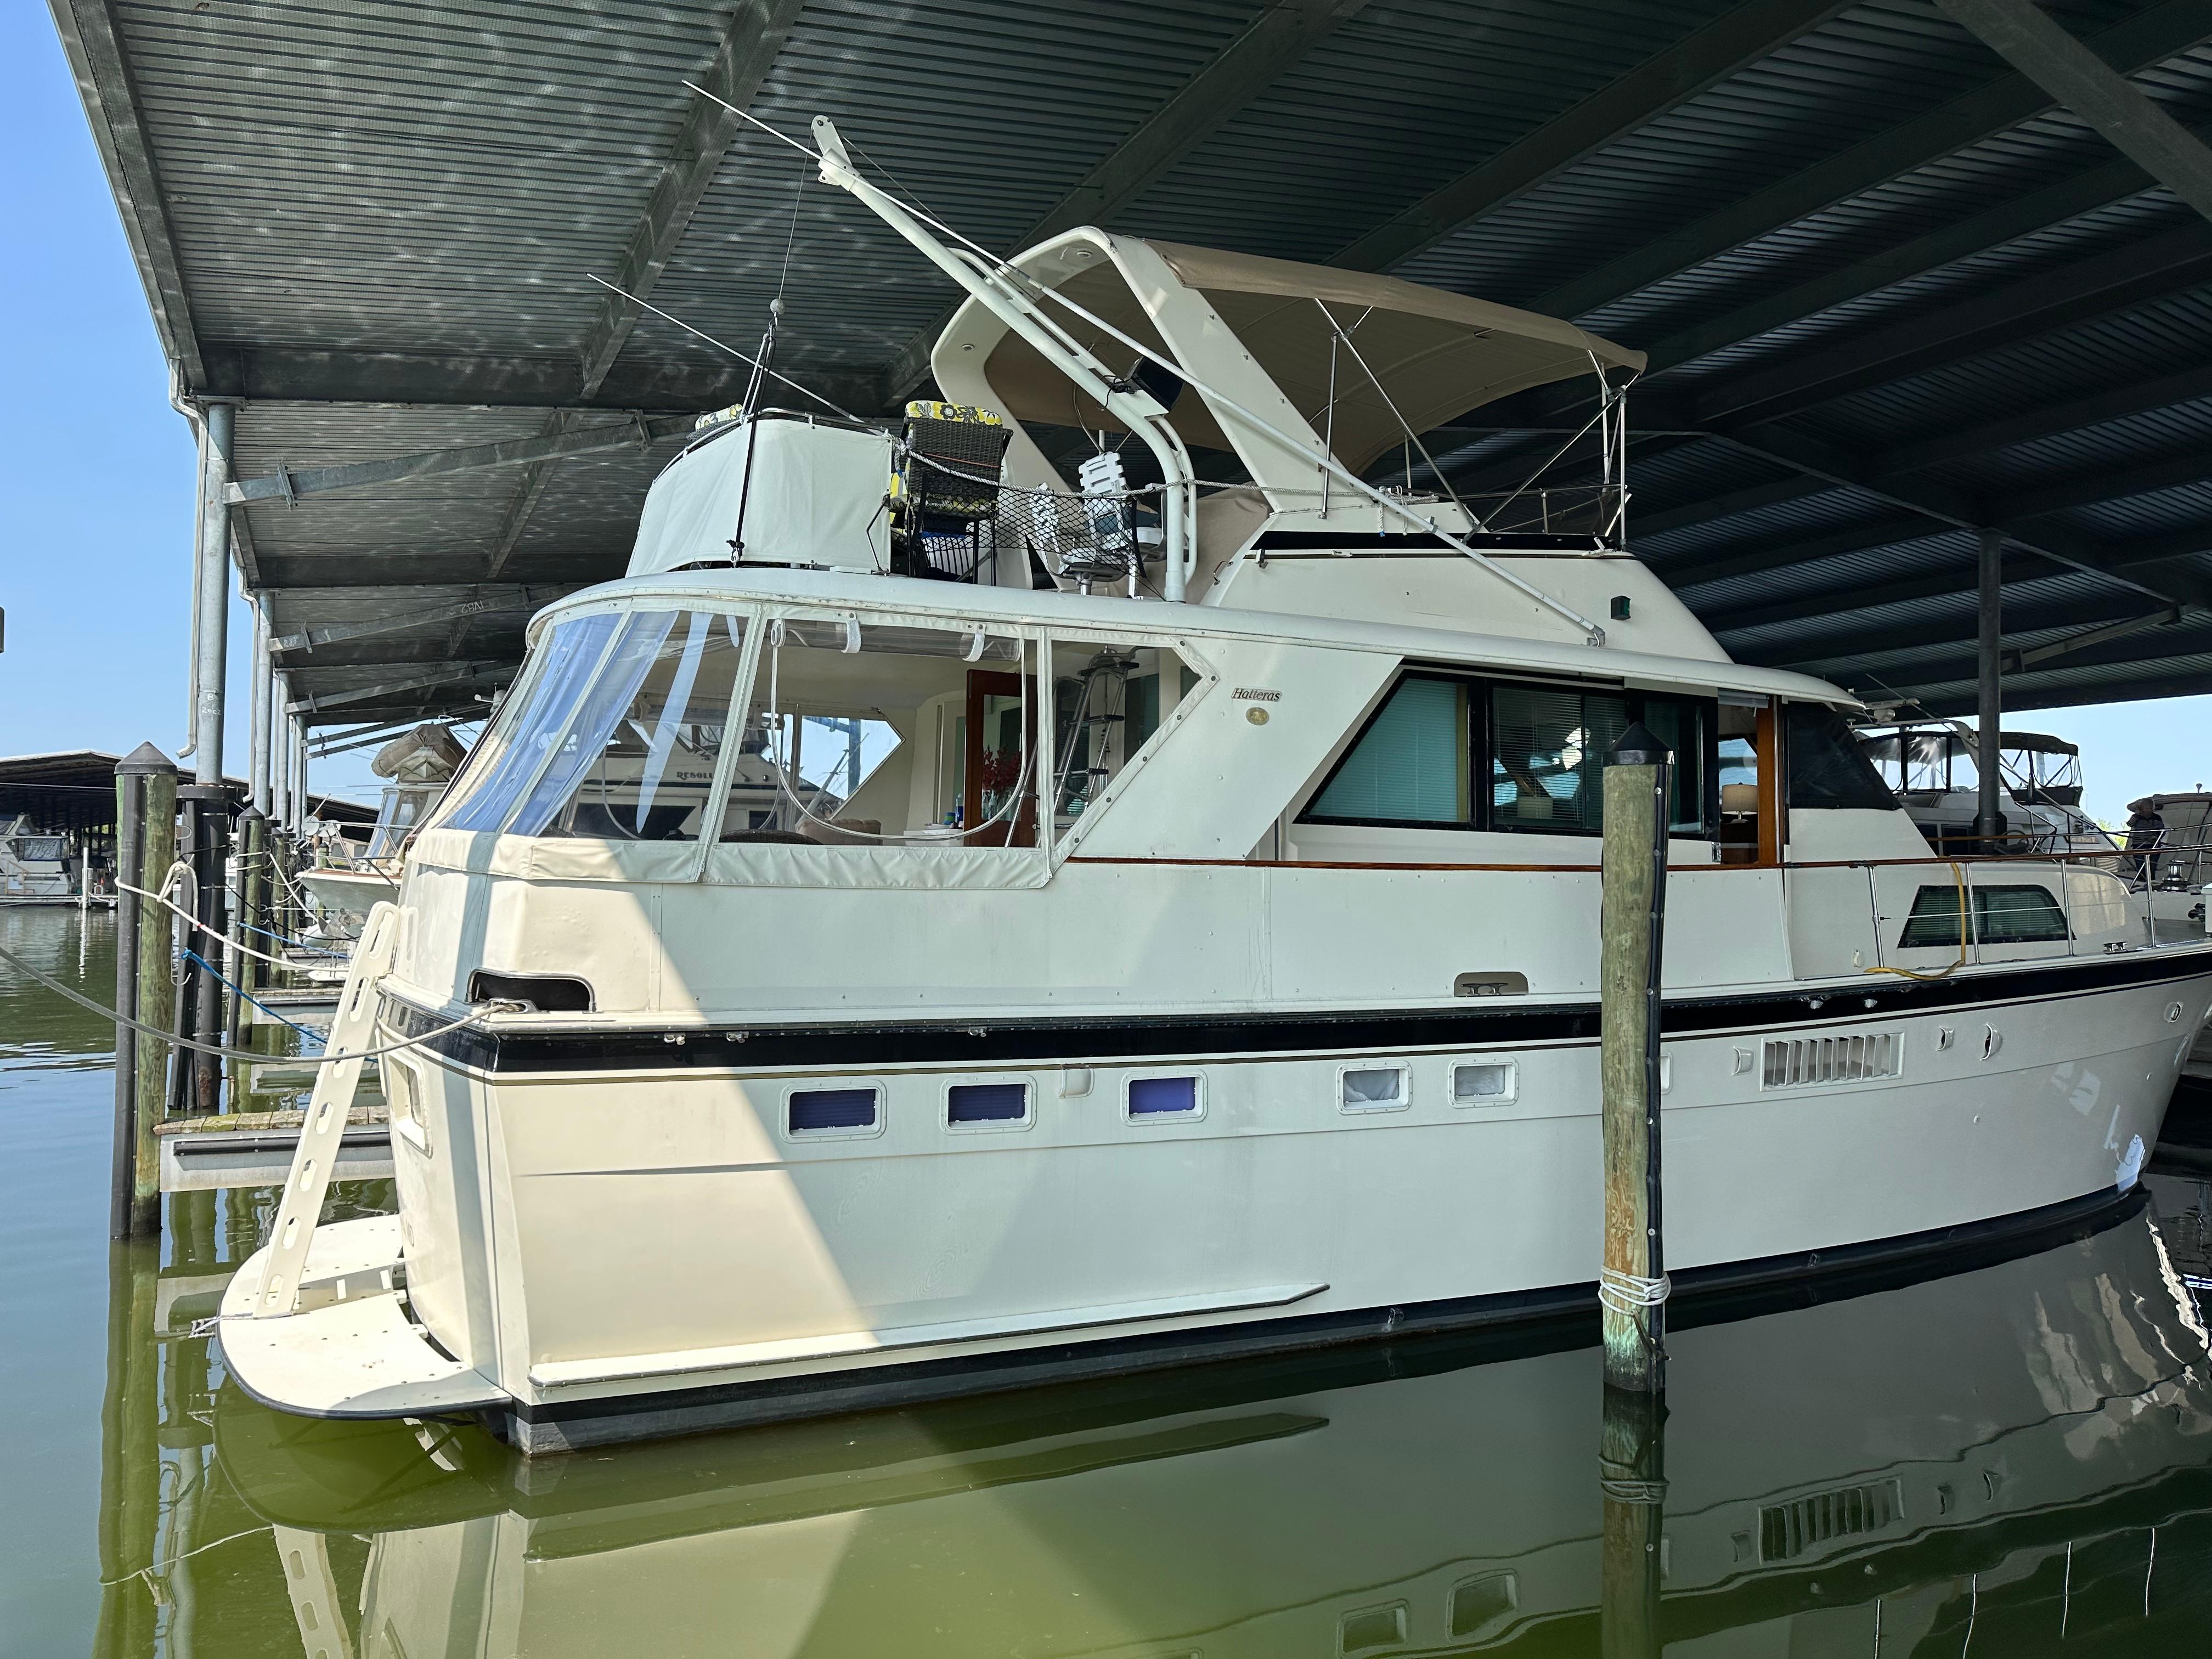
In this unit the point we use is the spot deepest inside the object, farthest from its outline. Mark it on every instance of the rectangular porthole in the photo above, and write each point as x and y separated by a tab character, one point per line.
1372	1629
1372	1089
848	1111
987	1105
1153	1098
1486	1083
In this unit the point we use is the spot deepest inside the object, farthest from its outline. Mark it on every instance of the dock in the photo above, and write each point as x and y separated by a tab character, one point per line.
254	1149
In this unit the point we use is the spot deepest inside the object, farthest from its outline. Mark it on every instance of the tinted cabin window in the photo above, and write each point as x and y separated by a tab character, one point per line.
1410	765
828	1112
2003	915
1824	765
1547	757
2017	916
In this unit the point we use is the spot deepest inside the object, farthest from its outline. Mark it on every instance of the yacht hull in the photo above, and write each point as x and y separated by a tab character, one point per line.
620	1247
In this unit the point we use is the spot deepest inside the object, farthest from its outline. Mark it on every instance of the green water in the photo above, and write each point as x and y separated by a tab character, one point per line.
2015	1459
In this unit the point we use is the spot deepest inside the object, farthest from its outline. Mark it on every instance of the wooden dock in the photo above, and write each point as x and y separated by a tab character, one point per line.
254	1149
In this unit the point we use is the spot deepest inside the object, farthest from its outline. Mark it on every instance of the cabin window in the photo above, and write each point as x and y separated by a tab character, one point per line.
2024	915
1410	765
1165	1096
1544	748
638	758
1108	700
1824	764
530	723
862	732
987	1105
834	1111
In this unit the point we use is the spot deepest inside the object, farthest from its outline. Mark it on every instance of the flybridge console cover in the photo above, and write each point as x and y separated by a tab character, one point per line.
815	498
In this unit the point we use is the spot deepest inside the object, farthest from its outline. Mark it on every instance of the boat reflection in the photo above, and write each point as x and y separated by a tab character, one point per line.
1994	1461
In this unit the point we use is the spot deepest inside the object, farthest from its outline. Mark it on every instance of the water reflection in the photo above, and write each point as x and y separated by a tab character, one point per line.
2010	1461
1996	1462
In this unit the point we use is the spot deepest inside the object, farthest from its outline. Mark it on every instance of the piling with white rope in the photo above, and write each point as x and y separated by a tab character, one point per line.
1632	1282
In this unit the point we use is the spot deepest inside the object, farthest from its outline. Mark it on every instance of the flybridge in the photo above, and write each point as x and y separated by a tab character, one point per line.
1304	377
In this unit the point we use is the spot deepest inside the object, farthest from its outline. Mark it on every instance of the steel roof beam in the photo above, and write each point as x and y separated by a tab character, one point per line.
1282	34
95	47
467	671
749	49
1725	48
312	639
305	374
2136	43
2036	46
2051	420
2021	506
286	485
1951	582
2067	546
2068	693
1853	644
2128	275
1775	552
1710	508
1962	659
2008	221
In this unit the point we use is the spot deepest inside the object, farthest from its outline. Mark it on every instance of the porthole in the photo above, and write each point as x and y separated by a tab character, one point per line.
827	1112
1373	1088
1165	1099
985	1106
1486	1083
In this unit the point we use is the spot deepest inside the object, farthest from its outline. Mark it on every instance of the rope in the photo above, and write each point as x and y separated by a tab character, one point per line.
240	992
492	1006
301	943
1625	1293
1958	876
1632	1491
161	898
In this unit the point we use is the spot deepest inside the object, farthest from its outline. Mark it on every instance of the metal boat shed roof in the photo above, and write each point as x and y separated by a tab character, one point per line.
1898	286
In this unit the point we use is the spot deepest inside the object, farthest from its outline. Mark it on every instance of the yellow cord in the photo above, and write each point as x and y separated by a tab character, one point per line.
1958	876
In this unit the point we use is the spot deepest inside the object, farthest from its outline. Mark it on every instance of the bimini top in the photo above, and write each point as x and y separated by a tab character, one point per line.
1432	353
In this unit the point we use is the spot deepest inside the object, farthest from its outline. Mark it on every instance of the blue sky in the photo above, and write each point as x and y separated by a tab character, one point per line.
97	578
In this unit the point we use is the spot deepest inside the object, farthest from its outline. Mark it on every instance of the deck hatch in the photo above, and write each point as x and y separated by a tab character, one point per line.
1787	1531
1802	1062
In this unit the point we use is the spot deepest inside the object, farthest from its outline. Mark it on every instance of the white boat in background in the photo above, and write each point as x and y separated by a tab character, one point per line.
34	866
1204	960
1933	768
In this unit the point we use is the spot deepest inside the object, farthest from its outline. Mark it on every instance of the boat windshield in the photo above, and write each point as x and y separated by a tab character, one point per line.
615	733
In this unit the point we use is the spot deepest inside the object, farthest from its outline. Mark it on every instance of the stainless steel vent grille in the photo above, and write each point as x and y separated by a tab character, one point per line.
1797	1062
1788	1530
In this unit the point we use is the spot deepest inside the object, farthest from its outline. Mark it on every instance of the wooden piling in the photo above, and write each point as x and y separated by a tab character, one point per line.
146	842
1633	1469
1631	926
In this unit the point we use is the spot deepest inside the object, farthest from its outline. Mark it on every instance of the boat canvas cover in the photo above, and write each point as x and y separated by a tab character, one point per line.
1437	355
816	498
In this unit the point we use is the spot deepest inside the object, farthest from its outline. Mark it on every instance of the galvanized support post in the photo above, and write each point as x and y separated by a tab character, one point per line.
1988	817
153	833
1632	1477
1632	1283
213	633
204	814
258	744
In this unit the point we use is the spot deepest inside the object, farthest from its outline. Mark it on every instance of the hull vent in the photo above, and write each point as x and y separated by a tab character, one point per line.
1801	1062
1787	1531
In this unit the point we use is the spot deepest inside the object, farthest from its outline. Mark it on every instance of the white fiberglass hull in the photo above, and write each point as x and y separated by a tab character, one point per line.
631	1244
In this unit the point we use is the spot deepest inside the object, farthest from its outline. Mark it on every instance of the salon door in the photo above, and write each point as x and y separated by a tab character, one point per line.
1001	739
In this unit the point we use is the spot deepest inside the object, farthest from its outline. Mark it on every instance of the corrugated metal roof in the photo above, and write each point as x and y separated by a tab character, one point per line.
379	225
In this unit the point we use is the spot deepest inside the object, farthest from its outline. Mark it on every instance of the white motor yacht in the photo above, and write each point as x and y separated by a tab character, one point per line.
1933	769
1196	951
34	866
